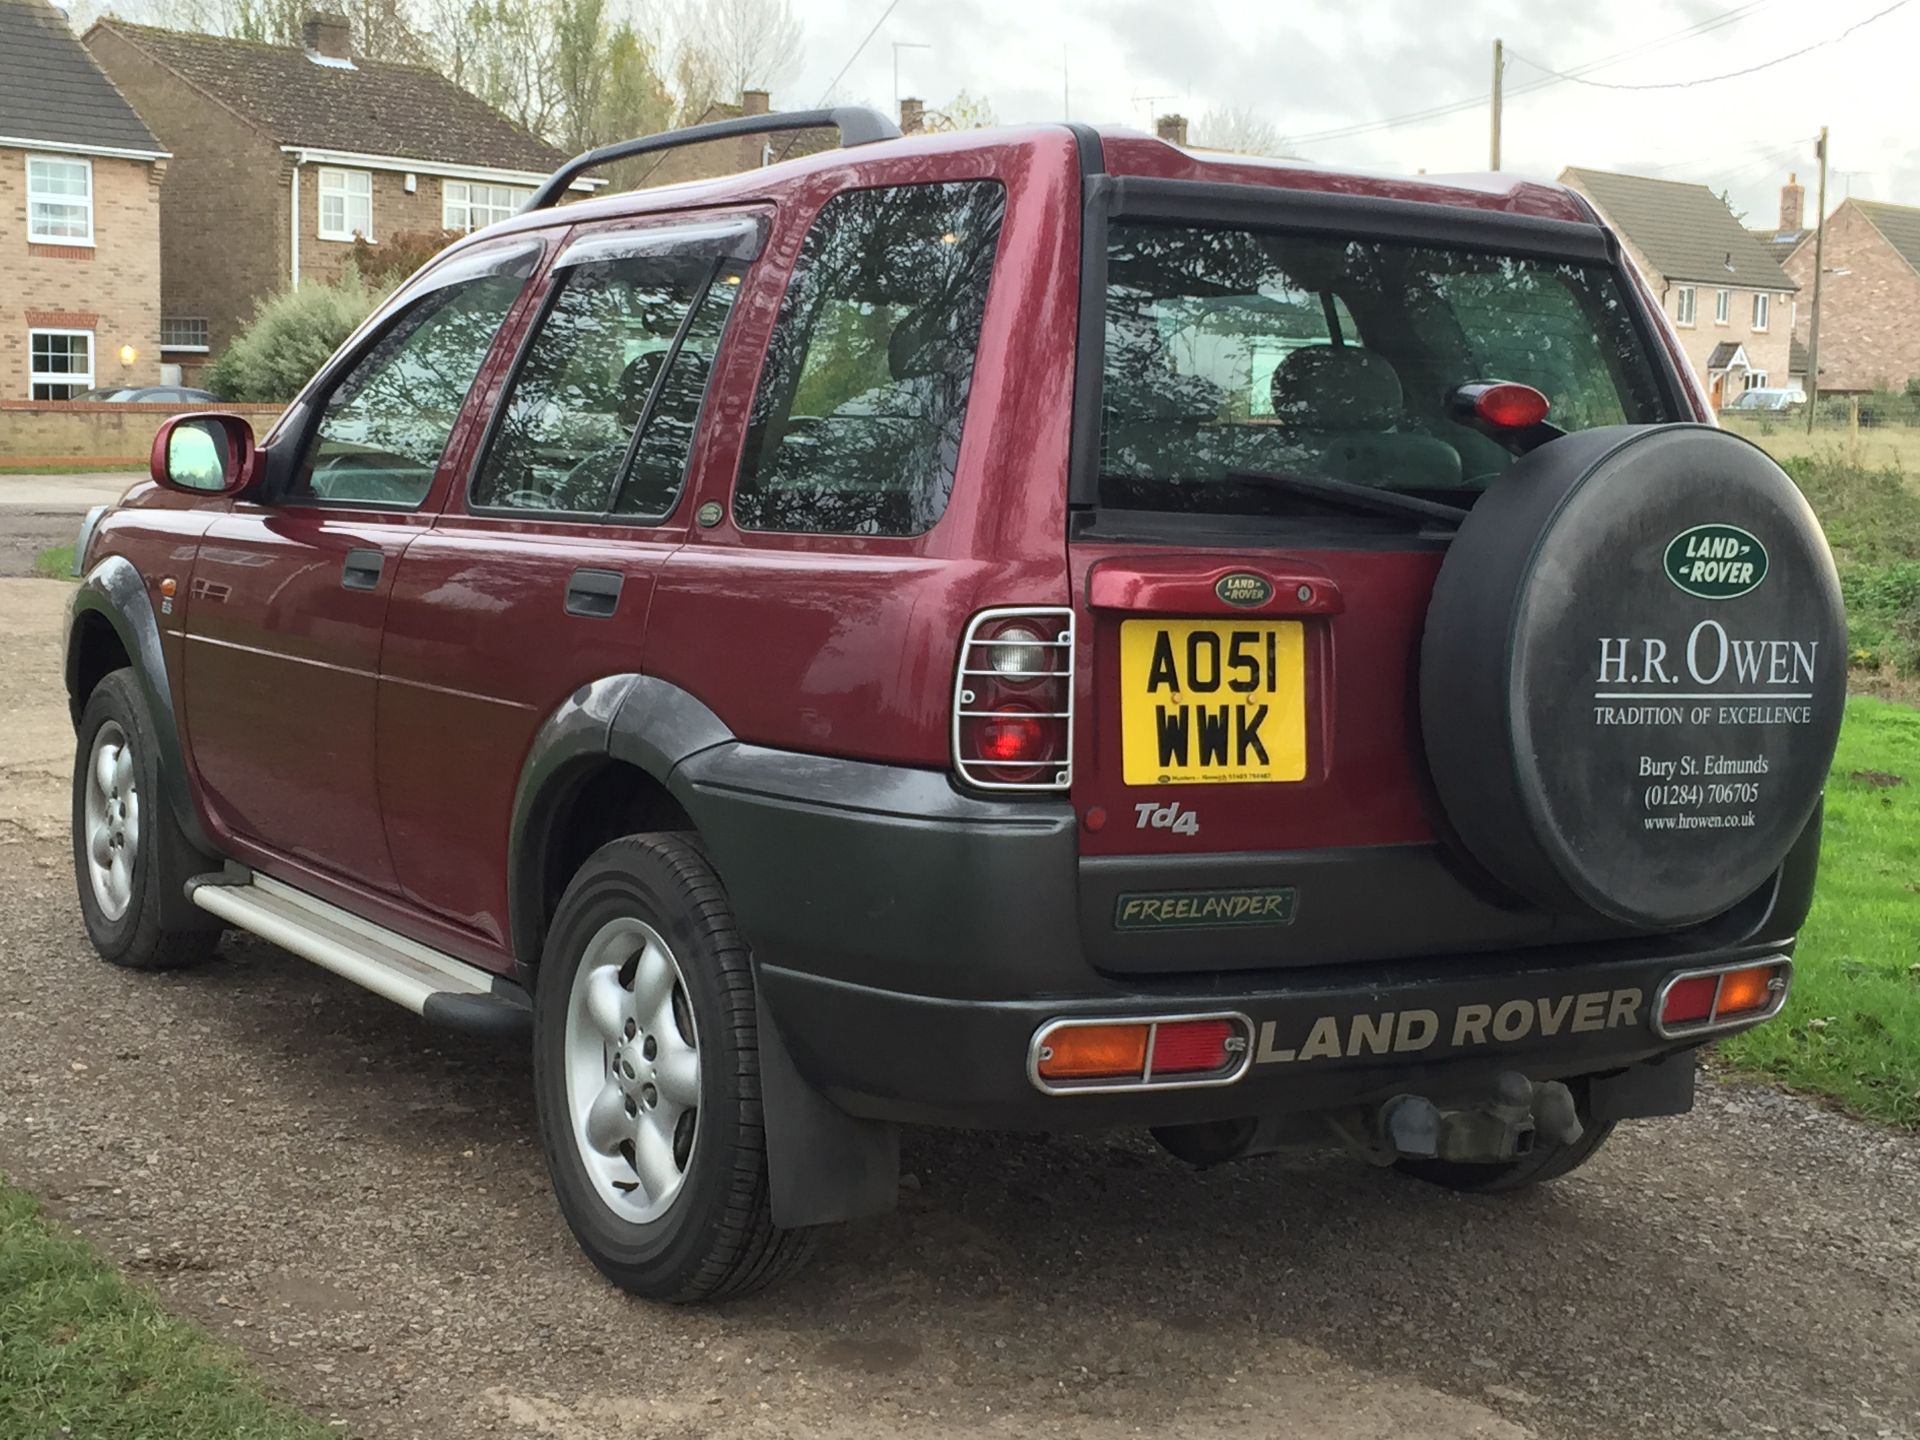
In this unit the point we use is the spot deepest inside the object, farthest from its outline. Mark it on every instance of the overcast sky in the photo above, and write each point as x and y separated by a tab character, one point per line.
1312	66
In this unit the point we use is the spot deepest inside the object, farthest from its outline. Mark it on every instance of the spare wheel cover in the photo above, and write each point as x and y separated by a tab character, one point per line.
1633	673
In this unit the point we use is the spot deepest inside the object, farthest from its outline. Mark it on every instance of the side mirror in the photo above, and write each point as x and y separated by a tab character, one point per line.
208	454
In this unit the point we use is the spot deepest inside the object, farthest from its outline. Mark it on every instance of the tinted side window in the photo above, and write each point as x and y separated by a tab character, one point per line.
659	467
856	425
384	427
569	420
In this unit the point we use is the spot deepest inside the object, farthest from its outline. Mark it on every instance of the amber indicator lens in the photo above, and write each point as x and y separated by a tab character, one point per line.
1744	990
1092	1052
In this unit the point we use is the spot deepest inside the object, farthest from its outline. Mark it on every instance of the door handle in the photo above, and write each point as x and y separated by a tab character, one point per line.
594	593
361	570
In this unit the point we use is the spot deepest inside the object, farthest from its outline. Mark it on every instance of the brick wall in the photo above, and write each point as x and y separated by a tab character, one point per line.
223	220
1869	306
394	212
96	433
111	288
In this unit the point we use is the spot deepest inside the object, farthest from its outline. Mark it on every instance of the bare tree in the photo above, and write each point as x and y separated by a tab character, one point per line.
721	47
1241	129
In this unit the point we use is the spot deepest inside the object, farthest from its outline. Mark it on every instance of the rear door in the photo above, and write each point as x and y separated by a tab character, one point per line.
539	578
1247	727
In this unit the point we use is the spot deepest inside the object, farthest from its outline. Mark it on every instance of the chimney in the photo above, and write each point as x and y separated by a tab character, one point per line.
327	35
755	102
913	116
1793	204
1172	129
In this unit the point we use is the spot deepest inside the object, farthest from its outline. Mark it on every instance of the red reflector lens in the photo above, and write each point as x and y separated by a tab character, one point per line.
1512	407
1186	1046
1012	738
1690	1000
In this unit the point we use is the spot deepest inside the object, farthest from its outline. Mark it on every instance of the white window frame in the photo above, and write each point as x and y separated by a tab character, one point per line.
34	235
1762	311
80	382
336	182
1686	306
166	344
1722	306
457	210
1756	380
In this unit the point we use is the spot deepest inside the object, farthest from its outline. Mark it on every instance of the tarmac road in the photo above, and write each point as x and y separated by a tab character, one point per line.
357	1203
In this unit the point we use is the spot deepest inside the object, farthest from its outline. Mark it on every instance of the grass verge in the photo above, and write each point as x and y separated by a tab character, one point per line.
55	562
128	467
1851	1028
1872	520
84	1353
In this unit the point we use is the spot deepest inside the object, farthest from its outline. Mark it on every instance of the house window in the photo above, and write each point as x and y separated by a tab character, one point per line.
1760	311
346	204
1756	380
59	200
59	363
468	206
1683	303
1722	306
178	332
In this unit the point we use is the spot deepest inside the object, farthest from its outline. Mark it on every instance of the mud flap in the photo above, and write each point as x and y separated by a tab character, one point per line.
823	1165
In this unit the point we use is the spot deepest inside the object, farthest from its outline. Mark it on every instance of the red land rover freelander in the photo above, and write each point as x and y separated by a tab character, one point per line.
1029	628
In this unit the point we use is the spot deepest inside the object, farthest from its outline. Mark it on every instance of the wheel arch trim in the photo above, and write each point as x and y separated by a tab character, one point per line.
115	592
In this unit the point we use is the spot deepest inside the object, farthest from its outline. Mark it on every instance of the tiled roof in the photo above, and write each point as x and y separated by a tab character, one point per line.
1899	224
1723	354
1779	243
1685	231
370	108
52	92
1796	356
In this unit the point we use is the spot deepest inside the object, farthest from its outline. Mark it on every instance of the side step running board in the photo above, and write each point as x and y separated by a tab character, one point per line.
435	986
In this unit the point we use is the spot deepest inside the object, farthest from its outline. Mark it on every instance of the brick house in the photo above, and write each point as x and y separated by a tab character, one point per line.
80	179
1730	302
1869	297
728	157
283	154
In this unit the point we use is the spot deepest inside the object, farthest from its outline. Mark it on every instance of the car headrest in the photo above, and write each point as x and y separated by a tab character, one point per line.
1337	387
636	383
915	346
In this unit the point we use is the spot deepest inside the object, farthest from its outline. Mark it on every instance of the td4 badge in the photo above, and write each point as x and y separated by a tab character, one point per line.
1166	817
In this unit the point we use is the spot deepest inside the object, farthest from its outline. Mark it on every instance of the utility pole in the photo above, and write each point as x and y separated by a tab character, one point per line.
1819	271
1499	68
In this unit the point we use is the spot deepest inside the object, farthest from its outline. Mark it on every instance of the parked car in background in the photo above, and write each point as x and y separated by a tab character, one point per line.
150	395
1766	398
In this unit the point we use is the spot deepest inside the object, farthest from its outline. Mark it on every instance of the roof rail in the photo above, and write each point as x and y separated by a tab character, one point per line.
858	125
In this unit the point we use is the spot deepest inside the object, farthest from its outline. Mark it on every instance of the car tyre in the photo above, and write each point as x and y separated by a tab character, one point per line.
1536	1167
127	842
647	1078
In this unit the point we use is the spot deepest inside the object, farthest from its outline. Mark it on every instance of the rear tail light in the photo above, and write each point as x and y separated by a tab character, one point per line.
1013	700
1143	1053
1724	997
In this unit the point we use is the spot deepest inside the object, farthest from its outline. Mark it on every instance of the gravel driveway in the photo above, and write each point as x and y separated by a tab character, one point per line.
357	1203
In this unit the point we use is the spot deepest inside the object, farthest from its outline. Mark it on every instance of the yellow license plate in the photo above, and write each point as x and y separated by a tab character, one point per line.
1212	701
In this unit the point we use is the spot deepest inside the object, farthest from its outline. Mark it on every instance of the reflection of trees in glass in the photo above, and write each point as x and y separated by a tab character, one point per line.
385	426
1200	320
565	426
659	466
856	425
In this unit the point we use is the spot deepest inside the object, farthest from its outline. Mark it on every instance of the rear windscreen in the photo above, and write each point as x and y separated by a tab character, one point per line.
1231	351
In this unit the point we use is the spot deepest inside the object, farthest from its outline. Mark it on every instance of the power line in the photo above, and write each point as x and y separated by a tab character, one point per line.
1473	102
1578	79
834	83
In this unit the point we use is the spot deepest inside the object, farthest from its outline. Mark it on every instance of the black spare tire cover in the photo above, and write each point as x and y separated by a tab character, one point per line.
1633	673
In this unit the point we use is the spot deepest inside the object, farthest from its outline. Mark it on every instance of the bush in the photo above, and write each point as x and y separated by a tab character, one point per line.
292	335
1872	520
386	265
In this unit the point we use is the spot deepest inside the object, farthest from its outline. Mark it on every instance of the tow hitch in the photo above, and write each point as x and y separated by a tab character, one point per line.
1501	1125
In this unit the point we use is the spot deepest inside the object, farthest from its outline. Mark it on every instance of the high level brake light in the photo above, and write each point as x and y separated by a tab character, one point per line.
1013	700
1723	997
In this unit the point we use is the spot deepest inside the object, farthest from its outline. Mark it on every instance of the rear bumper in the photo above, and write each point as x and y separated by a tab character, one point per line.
885	1055
911	941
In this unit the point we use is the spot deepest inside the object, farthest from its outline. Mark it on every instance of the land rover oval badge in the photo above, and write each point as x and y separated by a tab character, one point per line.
1716	562
1243	589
